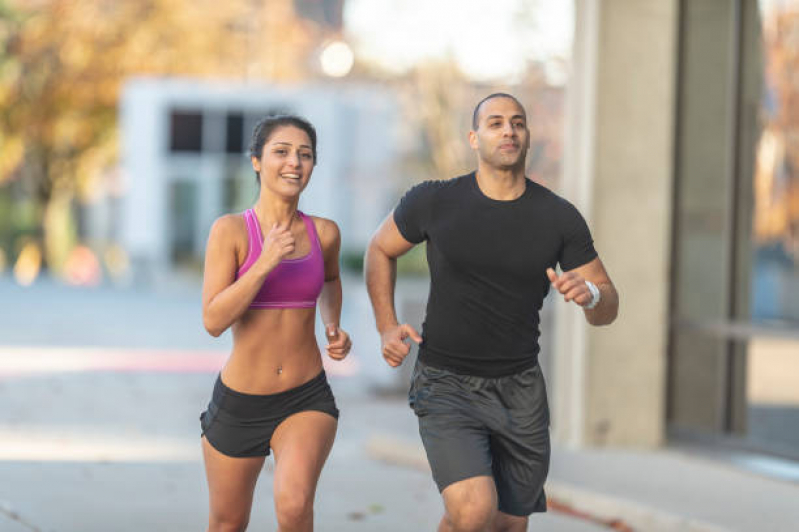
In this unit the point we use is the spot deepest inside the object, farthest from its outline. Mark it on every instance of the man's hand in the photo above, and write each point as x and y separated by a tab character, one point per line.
339	343
571	285
394	347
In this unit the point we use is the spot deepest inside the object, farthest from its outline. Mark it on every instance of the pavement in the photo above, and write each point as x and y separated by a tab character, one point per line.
101	389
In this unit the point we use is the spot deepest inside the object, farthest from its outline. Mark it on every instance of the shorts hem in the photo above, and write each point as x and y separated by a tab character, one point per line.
444	485
233	454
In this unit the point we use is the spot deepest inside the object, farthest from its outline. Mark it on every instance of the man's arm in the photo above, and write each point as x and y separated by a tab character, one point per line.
572	284
380	265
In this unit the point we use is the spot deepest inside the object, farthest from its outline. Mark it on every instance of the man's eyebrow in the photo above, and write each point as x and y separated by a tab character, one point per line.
514	117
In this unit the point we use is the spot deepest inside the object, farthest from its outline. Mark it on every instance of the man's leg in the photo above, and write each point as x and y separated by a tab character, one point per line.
470	504
509	523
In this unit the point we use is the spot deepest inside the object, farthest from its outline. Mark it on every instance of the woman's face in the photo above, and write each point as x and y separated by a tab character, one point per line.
286	162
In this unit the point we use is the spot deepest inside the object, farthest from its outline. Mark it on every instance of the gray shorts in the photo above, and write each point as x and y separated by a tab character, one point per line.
476	426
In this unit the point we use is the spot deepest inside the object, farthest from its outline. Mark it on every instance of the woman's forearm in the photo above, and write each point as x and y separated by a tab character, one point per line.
330	302
231	303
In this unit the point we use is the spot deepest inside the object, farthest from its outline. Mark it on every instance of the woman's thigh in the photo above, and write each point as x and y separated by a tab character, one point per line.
231	482
301	444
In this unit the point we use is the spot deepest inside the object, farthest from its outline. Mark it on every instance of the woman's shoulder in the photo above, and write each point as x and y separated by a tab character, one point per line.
229	231
327	230
229	225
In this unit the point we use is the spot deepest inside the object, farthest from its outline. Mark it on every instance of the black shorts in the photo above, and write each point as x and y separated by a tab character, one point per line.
241	424
476	426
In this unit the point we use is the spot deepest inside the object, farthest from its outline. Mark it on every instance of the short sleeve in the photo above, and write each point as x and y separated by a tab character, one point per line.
578	246
413	210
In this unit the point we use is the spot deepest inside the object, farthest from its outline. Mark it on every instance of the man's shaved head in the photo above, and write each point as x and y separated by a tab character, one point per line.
476	114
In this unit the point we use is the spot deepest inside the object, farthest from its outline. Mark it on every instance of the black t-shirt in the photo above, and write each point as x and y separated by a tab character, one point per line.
488	261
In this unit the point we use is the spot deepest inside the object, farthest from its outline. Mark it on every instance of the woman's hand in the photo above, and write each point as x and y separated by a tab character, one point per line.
339	343
278	244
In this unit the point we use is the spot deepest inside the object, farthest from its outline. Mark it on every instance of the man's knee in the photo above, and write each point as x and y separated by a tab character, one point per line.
471	504
509	523
476	517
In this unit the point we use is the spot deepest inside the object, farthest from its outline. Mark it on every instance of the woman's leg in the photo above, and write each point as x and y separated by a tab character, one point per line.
300	444
231	483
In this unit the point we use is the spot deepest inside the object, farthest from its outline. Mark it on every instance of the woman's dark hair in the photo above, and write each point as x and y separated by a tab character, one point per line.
268	124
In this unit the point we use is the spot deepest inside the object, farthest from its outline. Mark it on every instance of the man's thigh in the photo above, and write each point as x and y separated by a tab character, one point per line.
520	444
456	442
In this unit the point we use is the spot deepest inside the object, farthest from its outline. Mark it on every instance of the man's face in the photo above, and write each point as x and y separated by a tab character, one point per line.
501	139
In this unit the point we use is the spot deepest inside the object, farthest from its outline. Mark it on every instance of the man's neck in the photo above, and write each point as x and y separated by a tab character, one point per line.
500	184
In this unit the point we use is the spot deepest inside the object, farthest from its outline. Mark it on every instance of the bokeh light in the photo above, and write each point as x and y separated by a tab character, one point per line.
28	265
337	59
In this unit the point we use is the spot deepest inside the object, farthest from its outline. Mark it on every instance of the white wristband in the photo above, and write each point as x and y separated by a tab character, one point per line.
596	295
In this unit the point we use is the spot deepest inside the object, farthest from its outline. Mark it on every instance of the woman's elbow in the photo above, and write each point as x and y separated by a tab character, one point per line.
213	328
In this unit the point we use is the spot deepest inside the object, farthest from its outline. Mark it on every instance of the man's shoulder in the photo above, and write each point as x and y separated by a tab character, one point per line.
437	187
549	196
451	183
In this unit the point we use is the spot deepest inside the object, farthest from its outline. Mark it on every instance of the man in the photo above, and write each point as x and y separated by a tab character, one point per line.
493	239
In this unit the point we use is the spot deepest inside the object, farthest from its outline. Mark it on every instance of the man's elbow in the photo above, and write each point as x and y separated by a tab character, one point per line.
373	252
607	317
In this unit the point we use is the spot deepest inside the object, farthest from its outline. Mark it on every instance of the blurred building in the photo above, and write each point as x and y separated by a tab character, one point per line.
184	161
327	13
682	151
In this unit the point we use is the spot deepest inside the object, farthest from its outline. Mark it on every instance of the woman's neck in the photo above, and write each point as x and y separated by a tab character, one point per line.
272	211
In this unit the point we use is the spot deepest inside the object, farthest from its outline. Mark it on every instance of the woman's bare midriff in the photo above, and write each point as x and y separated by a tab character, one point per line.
274	350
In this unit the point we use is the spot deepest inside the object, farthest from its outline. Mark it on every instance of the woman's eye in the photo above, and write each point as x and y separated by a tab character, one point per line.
306	155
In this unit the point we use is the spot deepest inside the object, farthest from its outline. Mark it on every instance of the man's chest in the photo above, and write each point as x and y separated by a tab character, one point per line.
495	242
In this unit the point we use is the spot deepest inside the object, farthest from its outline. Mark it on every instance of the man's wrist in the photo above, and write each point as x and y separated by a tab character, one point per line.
596	295
383	327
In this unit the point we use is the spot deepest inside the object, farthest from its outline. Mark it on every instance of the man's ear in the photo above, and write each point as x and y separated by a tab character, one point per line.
473	140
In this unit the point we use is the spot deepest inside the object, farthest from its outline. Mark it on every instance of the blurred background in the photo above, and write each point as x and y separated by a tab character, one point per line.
673	125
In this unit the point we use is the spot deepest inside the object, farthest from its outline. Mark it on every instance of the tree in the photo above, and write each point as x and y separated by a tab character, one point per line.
63	64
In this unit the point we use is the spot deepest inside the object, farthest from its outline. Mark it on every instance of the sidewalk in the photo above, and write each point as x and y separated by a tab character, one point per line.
119	451
98	450
105	438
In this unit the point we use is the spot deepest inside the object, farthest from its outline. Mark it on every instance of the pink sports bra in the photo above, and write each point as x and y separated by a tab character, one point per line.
294	283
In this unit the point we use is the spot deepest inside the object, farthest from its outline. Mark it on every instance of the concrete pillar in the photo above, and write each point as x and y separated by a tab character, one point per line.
610	382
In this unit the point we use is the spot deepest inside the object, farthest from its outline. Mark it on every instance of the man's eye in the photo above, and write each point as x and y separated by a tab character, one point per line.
494	124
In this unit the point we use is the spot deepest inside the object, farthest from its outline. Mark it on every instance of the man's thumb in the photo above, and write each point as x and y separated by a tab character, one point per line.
410	331
552	275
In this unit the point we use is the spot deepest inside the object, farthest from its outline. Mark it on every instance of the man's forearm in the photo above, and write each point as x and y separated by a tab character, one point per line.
381	275
607	309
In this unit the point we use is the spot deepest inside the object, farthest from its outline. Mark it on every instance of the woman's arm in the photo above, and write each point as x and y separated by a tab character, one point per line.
330	298
225	298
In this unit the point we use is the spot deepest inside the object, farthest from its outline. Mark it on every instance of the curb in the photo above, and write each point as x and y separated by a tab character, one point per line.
622	514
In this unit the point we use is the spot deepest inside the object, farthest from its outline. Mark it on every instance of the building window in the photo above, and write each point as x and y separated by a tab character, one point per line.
775	284
183	203
186	131
234	133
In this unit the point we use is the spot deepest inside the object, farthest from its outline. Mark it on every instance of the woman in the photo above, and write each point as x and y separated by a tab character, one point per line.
272	392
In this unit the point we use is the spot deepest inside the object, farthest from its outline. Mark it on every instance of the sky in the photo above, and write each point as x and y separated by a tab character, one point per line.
488	43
